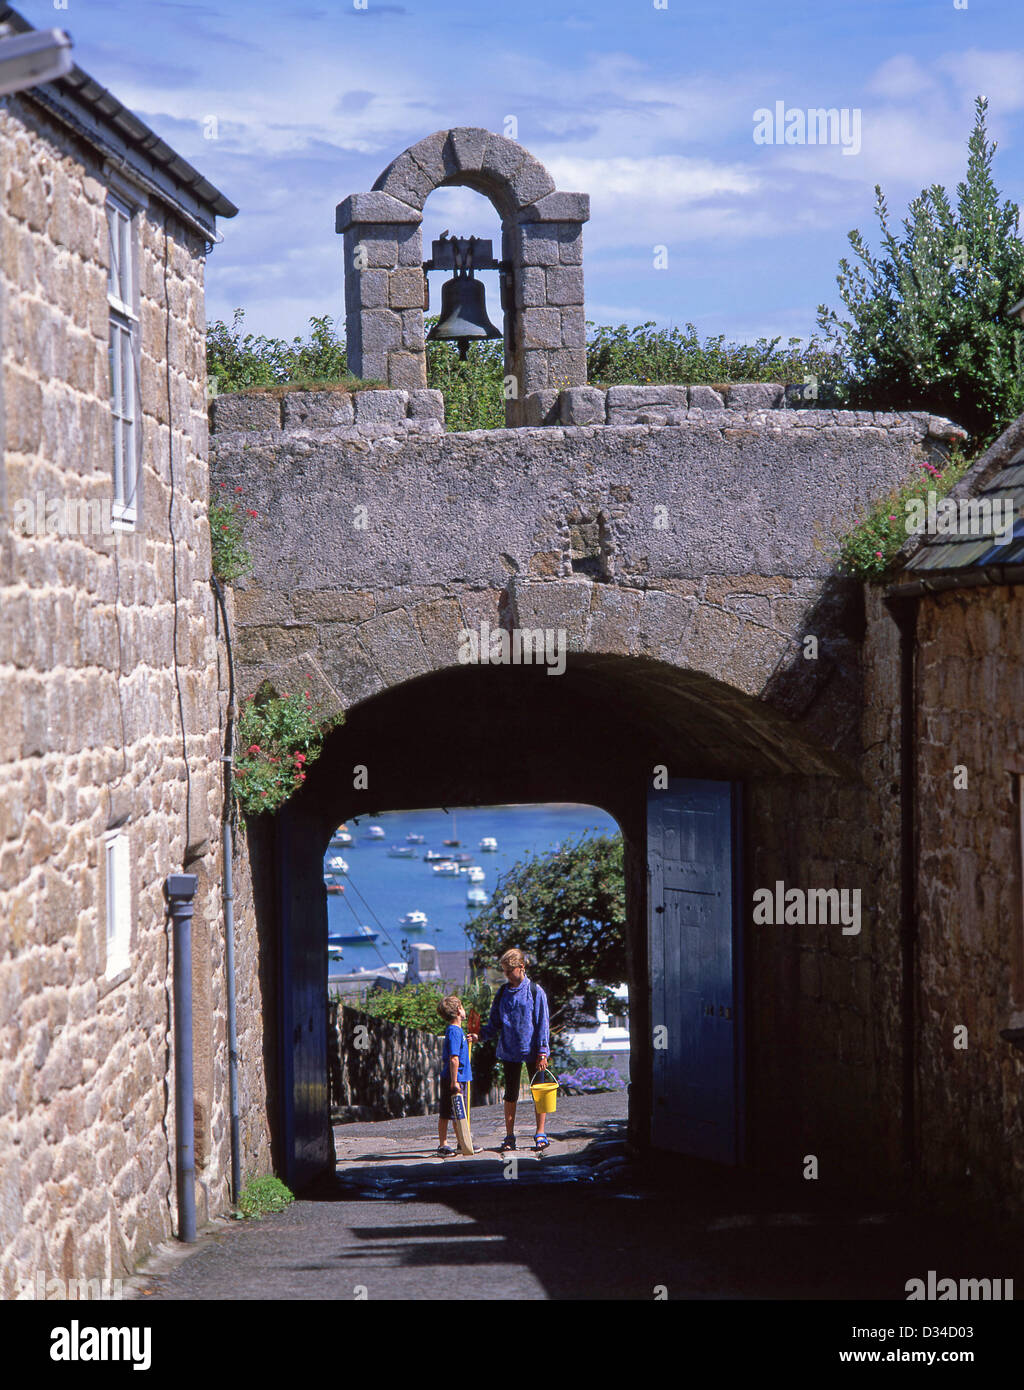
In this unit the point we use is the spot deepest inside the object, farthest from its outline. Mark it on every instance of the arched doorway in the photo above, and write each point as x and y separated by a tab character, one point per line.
663	751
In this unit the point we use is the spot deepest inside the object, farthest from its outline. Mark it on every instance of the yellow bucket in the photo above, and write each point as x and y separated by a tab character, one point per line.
544	1093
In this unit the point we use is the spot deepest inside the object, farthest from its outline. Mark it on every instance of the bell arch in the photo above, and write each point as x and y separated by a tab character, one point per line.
541	248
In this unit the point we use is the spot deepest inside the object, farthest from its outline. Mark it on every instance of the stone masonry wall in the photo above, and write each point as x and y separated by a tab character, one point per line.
92	733
825	1045
971	935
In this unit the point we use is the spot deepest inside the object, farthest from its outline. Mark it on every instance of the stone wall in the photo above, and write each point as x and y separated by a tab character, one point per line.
94	713
824	1018
384	1072
971	936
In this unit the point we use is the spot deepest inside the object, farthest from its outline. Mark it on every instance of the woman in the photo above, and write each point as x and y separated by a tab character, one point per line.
520	1019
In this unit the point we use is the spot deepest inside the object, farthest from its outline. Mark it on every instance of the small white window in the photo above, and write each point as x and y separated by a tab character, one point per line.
123	351
119	901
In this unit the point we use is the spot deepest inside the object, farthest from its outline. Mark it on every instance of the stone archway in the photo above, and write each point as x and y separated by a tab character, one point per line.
542	243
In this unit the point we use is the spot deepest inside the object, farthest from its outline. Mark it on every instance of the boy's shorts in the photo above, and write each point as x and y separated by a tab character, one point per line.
446	1112
513	1074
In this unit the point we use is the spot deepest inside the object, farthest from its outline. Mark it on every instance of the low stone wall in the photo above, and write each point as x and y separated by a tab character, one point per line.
386	1072
351	415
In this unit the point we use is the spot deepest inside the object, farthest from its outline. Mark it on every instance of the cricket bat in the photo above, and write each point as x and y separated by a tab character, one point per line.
460	1111
461	1122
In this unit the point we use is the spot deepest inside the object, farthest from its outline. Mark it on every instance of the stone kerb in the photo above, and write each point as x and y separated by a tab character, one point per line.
545	330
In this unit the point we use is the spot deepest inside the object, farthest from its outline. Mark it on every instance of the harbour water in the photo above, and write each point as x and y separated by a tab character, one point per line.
380	890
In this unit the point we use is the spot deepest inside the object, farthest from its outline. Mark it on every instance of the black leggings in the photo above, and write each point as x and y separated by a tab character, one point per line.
513	1074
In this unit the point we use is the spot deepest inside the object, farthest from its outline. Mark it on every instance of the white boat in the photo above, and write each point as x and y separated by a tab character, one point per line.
476	897
335	953
446	869
489	845
340	838
414	921
401	852
435	856
333	883
475	874
375	832
336	865
415	839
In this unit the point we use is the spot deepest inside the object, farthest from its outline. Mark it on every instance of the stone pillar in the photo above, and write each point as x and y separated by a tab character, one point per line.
383	290
547	349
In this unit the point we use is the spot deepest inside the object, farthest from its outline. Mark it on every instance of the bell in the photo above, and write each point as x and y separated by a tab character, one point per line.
463	314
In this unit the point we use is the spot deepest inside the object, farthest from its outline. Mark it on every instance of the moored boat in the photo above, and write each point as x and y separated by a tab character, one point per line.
401	852
352	935
489	845
476	897
414	921
475	874
447	868
333	883
336	864
340	838
375	832
415	839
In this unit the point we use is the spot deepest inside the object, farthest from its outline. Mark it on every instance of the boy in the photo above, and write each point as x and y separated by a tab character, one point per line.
519	1016
455	1069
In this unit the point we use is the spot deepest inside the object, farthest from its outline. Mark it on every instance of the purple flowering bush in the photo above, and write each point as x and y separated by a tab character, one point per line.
588	1079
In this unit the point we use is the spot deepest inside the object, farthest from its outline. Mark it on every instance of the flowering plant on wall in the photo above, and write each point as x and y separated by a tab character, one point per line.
868	549
230	559
279	736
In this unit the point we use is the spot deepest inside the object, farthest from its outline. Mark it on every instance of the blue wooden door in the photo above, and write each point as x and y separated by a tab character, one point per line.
302	913
691	854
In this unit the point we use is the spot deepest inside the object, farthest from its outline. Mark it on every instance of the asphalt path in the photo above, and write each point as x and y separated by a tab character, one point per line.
583	1220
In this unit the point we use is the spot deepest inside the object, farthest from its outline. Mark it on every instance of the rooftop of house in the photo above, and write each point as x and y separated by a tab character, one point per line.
97	116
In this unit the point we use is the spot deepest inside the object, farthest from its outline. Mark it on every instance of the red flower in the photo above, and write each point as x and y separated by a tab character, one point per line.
300	758
250	512
255	748
222	484
238	489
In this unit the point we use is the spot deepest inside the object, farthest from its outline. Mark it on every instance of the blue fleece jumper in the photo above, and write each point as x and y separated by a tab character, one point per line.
522	1030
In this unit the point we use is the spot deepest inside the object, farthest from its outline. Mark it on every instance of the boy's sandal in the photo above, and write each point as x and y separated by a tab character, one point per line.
444	1152
509	1142
541	1141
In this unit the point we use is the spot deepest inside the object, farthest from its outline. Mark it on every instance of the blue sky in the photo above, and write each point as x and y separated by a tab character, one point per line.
649	110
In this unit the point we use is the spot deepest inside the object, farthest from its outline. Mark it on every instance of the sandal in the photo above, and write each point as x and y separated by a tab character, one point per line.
541	1141
508	1143
444	1152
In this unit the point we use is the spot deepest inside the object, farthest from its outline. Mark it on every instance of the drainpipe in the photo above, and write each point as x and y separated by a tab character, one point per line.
229	907
180	890
904	614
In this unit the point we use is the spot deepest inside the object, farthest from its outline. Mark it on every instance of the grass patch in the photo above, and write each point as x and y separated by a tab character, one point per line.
260	1195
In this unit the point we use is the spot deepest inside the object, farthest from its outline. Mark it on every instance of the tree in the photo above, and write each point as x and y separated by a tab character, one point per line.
570	907
929	326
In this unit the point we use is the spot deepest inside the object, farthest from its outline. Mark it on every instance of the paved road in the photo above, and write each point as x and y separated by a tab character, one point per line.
580	1221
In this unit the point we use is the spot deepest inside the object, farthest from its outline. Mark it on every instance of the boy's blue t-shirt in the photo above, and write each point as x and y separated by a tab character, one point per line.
456	1044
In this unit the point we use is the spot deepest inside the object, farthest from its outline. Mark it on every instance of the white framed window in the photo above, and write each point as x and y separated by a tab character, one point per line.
119	900
123	352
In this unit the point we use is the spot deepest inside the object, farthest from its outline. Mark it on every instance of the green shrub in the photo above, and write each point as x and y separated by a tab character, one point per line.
413	1006
646	353
473	390
237	362
260	1195
929	328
